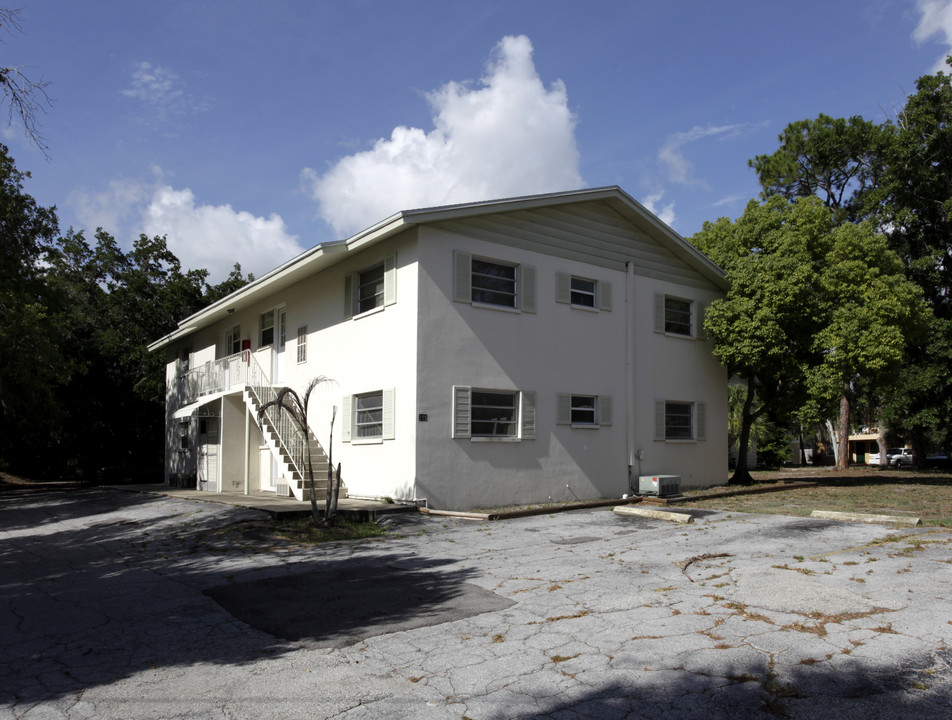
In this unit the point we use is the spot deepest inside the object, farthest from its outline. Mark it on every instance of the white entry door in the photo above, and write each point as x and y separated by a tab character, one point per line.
277	366
265	470
208	444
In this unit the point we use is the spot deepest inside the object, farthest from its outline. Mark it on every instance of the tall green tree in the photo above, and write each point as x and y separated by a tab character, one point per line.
834	159
871	312
763	328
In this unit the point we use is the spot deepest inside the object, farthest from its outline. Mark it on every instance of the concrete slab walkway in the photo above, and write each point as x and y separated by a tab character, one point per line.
140	605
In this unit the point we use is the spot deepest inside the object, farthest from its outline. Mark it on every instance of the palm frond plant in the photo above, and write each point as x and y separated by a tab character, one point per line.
287	400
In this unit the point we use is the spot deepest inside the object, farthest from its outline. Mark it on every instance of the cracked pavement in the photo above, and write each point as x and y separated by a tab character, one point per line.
126	605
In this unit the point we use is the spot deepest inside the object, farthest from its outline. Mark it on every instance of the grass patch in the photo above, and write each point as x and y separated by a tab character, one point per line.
918	493
300	531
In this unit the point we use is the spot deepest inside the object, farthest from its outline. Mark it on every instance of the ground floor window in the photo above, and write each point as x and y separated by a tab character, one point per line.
369	417
480	413
583	410
676	420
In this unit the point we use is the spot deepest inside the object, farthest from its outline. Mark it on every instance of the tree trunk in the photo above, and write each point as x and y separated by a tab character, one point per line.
843	440
834	441
741	474
881	444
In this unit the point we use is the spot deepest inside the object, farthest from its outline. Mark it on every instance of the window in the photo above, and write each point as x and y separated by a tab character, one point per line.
368	422
493	414
267	328
183	436
232	343
583	292
302	344
679	420
674	316
369	417
493	283
583	410
182	361
372	288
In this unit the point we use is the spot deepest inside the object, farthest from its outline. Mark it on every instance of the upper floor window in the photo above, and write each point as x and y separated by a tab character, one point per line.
495	283
232	340
676	316
583	292
302	344
267	328
372	288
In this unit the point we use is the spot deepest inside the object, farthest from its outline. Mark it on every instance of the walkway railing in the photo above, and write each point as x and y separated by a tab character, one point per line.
243	370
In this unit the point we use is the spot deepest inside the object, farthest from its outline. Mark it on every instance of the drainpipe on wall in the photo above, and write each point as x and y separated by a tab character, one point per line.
630	366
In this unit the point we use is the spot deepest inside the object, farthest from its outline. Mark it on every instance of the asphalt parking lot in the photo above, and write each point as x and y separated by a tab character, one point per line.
126	605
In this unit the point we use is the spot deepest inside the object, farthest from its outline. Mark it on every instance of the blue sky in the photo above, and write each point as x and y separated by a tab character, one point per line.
248	131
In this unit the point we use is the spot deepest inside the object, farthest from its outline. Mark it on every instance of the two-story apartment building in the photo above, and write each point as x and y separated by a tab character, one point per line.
512	351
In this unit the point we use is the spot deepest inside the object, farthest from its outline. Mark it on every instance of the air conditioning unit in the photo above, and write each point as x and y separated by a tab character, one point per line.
659	485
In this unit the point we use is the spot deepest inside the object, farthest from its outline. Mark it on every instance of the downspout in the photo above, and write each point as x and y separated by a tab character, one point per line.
247	445
630	370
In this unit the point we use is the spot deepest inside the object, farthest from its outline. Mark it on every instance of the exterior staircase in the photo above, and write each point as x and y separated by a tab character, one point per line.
286	442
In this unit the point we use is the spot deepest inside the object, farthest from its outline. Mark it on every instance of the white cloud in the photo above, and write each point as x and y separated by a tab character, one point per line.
936	20
160	91
678	168
665	213
215	237
211	237
508	136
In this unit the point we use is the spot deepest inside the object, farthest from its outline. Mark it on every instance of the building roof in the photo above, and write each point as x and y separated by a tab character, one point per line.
326	254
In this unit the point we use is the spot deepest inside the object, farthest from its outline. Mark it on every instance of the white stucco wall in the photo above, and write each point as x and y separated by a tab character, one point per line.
557	349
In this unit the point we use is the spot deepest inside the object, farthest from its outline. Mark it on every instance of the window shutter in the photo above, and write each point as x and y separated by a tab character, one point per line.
349	296
604	409
462	405
563	287
700	421
604	292
659	313
563	409
390	280
462	277
527	288
699	322
659	420
528	415
346	417
388	416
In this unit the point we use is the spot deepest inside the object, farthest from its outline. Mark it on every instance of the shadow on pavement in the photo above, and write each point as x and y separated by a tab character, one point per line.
98	586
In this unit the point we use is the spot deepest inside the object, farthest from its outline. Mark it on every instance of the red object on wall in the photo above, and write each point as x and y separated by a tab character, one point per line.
246	344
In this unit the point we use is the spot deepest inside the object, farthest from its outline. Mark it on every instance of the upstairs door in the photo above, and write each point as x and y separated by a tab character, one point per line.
277	363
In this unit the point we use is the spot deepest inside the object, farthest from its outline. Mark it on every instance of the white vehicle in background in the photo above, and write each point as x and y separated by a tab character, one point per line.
895	457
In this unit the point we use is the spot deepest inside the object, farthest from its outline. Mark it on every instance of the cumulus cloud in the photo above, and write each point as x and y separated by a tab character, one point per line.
211	237
677	167
936	20
507	135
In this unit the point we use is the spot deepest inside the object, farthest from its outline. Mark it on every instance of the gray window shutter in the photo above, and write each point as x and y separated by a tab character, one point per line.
563	287
462	277
527	288
563	409
604	409
462	408
349	296
604	292
700	421
659	313
346	417
390	280
659	420
699	321
388	414
528	415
